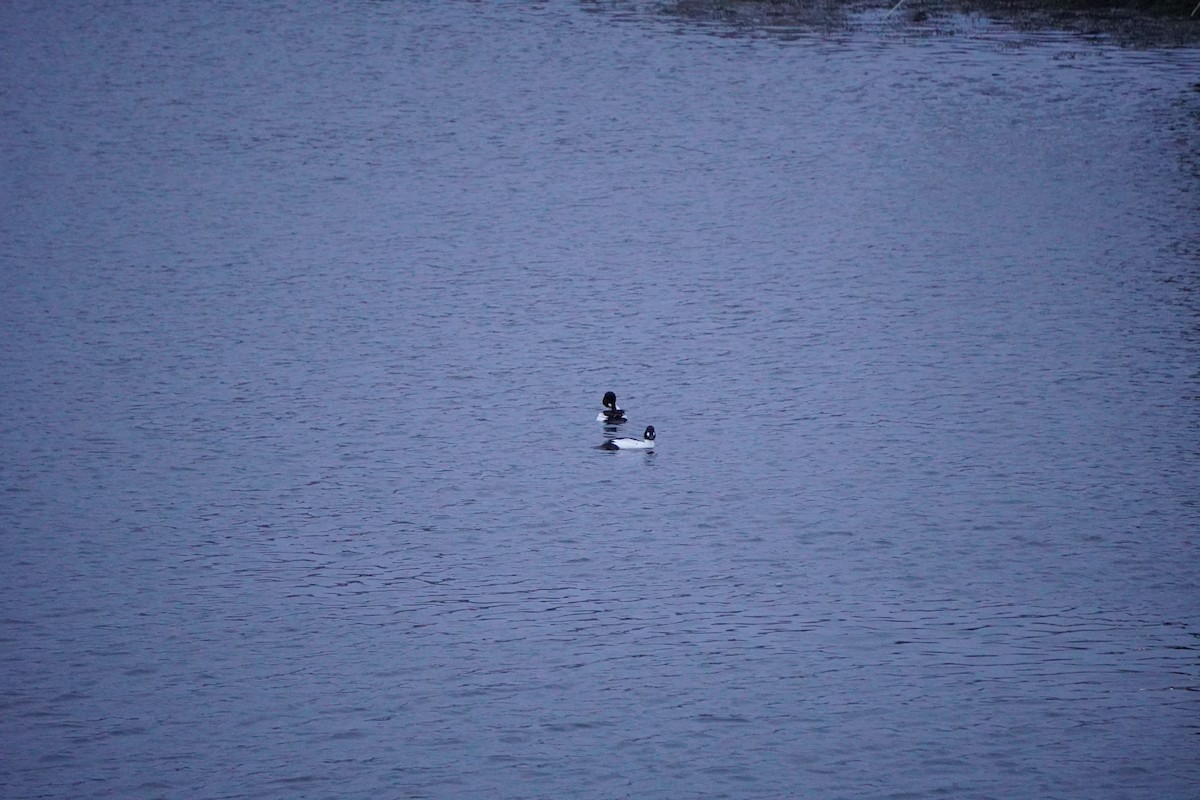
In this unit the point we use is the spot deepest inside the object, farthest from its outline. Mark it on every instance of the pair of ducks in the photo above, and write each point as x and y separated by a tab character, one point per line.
611	415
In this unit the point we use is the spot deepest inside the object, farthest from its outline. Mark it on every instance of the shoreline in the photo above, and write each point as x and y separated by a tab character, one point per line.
1128	23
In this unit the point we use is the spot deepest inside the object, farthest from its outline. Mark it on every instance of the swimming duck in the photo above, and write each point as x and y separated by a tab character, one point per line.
626	443
611	414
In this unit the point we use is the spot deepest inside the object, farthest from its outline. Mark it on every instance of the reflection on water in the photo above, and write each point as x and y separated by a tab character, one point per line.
309	314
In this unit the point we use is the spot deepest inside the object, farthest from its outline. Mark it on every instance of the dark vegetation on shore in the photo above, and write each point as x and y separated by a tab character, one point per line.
1135	23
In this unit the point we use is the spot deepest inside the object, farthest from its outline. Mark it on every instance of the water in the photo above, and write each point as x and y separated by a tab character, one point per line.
308	314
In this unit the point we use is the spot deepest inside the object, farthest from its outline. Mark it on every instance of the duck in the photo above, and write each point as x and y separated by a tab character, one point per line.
611	414
626	443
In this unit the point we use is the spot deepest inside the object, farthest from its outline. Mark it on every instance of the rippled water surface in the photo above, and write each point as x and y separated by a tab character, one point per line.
308	310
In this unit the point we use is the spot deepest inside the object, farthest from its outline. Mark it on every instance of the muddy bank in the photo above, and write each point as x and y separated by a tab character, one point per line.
1134	23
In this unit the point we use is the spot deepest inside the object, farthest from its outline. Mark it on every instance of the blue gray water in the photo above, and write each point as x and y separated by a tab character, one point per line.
308	311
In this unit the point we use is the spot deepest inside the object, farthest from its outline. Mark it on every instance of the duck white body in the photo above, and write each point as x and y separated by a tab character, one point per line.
611	414
625	443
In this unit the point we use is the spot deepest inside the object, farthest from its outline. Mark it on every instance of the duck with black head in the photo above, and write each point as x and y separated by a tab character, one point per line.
611	415
629	443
